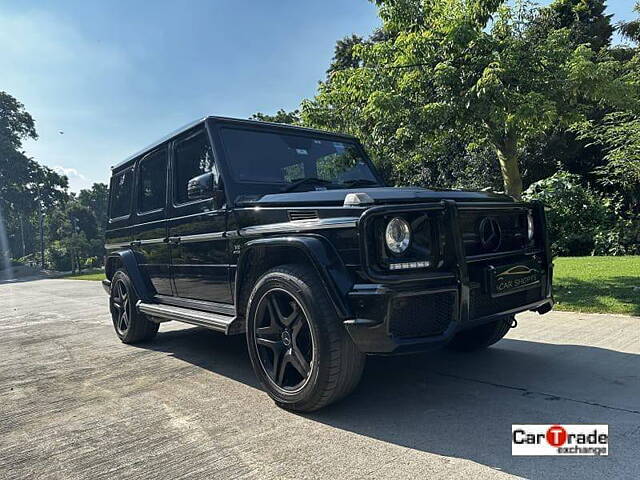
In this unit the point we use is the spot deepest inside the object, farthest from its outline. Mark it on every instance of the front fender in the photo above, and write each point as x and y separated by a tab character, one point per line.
321	255
142	286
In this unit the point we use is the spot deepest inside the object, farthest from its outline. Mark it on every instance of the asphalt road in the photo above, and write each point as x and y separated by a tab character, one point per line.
76	403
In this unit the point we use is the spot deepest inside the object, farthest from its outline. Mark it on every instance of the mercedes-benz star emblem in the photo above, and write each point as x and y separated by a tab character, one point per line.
490	234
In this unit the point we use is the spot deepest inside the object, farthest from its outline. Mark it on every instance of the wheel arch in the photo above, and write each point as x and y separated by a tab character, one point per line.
126	260
258	256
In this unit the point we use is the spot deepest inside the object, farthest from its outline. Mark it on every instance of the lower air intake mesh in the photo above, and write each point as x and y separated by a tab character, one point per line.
422	315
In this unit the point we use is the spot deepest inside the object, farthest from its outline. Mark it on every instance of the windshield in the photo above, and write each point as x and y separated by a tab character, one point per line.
295	161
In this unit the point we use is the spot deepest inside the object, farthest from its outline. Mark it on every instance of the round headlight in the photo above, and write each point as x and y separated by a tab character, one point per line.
530	227
398	235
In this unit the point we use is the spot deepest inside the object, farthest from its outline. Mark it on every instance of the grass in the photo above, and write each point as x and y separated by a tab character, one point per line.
597	284
95	276
581	284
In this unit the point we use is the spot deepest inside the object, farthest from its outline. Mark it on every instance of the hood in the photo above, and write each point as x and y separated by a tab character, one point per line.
380	196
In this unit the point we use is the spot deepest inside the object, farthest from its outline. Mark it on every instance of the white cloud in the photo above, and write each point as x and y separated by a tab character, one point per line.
77	181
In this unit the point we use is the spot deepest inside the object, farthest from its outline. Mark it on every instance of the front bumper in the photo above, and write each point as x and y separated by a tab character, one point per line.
395	316
391	320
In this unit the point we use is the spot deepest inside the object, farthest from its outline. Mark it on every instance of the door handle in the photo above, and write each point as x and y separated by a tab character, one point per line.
172	240
136	243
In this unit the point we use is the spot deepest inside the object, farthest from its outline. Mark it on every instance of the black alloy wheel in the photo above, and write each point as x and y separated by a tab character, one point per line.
284	340
298	347
121	307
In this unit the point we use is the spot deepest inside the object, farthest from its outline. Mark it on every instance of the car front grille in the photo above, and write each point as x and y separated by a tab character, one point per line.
422	315
512	227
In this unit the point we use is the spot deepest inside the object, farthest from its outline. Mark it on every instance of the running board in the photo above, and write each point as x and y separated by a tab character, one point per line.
215	321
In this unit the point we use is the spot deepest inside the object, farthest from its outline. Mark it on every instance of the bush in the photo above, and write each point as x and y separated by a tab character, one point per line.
576	216
57	257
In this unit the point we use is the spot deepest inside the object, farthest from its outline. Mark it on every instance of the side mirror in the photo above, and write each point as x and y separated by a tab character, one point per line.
200	187
203	187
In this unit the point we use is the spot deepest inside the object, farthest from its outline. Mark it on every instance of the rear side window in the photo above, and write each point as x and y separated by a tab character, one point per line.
152	181
193	157
121	194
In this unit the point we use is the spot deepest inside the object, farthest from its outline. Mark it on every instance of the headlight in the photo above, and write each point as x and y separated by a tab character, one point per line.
398	235
530	227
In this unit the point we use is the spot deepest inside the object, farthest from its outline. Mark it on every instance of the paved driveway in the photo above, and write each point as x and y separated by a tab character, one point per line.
76	403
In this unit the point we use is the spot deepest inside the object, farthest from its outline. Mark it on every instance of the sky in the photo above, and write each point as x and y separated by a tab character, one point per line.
104	79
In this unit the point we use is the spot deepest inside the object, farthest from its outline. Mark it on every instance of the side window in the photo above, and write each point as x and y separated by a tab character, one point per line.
120	194
193	157
152	181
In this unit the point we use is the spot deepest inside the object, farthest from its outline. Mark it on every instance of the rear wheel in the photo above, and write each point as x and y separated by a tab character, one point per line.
482	336
131	326
301	354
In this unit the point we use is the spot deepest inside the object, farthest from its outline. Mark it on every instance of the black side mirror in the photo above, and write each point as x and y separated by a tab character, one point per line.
200	187
205	186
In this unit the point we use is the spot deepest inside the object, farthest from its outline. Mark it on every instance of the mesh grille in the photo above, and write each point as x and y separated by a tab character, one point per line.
422	315
302	215
483	304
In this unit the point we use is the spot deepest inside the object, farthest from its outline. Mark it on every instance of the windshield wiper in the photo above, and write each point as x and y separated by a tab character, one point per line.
298	182
359	182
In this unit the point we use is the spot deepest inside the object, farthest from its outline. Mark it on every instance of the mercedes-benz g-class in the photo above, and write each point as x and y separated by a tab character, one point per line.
290	236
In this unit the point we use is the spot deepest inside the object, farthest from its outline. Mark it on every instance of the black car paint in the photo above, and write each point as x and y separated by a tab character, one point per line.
201	249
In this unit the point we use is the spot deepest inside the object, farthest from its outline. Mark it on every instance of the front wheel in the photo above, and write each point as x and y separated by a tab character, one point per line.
301	354
482	336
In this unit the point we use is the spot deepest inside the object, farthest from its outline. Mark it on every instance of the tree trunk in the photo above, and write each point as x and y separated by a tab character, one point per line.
508	158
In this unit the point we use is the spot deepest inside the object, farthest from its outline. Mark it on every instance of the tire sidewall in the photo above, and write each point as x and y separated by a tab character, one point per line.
121	276
302	293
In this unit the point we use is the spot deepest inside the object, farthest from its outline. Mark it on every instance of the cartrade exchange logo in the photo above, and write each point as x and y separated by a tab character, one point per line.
560	440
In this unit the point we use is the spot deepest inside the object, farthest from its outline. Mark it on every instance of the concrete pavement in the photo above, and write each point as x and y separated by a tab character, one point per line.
76	403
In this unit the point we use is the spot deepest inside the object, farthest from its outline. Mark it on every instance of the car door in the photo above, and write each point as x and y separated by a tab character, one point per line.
199	247
150	231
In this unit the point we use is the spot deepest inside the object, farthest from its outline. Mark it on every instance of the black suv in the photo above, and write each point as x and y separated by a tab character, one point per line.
290	236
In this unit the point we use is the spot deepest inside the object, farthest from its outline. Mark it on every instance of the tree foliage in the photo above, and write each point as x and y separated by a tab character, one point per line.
74	226
476	70
281	116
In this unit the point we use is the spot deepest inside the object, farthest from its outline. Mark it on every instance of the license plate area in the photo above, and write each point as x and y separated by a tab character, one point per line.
506	279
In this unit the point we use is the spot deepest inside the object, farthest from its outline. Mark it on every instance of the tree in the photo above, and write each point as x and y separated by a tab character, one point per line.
25	185
585	20
631	29
96	199
281	116
446	71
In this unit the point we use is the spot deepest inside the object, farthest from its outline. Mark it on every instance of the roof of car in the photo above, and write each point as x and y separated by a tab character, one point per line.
239	121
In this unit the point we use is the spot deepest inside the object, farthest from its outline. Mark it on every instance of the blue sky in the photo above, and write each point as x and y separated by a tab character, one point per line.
116	75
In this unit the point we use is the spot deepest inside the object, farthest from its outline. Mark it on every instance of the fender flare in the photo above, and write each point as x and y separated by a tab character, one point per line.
322	256
142	286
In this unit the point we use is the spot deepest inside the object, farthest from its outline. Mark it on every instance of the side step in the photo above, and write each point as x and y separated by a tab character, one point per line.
215	321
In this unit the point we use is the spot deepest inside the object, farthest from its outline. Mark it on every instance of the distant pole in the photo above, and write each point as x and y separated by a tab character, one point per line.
41	205
22	236
42	236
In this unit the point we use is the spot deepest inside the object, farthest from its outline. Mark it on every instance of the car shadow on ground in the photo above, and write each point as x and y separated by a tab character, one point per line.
463	405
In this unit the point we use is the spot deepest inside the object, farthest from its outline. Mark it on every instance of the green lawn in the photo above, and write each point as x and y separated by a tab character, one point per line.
597	284
87	276
581	284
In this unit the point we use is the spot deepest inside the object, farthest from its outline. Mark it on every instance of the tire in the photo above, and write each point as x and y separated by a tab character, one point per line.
291	299
136	327
482	336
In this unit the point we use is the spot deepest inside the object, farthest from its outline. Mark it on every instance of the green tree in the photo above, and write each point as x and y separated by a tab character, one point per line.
585	20
96	199
25	185
631	29
445	70
281	116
